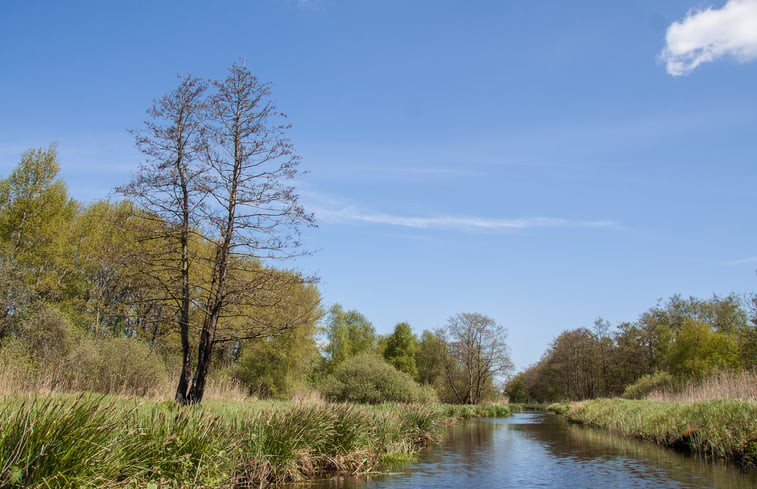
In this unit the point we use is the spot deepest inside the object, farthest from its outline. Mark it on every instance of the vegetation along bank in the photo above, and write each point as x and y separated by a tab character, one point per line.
718	428
93	440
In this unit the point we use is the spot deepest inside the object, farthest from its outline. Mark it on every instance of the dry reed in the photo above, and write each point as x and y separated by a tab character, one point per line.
18	380
720	385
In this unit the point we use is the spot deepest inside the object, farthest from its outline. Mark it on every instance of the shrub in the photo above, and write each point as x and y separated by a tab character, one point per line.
48	332
112	365
368	379
128	365
647	384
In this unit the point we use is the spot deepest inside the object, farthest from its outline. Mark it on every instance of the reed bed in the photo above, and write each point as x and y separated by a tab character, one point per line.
719	385
108	441
719	428
16	380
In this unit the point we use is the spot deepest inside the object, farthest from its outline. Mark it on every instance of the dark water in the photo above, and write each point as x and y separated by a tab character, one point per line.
538	450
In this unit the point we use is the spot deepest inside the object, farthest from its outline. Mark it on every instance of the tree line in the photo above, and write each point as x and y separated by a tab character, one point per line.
182	276
680	338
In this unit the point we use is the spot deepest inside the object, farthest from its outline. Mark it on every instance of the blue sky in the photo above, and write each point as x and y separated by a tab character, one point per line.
543	163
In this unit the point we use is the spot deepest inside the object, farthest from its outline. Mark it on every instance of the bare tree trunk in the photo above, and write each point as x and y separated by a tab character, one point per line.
217	290
186	367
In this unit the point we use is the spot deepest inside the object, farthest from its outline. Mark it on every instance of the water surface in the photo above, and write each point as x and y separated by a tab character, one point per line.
539	450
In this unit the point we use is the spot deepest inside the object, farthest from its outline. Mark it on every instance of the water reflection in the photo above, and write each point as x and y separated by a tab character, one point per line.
637	459
536	450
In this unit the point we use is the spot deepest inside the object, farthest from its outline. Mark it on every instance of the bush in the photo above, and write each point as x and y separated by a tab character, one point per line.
368	379
112	366
48	332
129	366
647	384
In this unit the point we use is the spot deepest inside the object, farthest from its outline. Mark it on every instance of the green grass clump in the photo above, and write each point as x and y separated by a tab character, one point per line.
722	428
45	440
104	441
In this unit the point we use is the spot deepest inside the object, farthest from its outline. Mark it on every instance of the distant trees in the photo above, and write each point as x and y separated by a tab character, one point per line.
459	362
682	338
216	200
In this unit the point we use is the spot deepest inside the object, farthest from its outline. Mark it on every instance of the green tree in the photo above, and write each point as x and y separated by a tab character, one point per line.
15	296
279	365
631	359
515	389
107	297
697	350
428	359
348	333
401	349
35	218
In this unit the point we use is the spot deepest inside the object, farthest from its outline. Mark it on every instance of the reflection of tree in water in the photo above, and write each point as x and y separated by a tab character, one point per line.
641	458
468	439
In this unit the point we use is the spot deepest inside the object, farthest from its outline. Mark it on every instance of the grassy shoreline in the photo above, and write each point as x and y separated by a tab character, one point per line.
92	440
720	428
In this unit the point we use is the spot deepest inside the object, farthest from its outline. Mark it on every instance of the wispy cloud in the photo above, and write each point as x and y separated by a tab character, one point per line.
743	261
462	223
707	35
337	211
306	4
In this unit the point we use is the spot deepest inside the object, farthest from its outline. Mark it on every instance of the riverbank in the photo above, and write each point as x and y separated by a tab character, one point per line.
107	441
722	428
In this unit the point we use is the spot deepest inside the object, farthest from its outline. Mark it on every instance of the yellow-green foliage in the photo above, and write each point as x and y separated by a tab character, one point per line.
367	378
647	384
721	428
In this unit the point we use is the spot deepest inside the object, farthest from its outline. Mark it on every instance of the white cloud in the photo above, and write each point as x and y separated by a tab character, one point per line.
351	214
336	209
306	4
706	35
744	261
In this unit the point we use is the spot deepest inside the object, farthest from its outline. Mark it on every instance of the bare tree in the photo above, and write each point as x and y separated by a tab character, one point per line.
476	352
167	189
217	173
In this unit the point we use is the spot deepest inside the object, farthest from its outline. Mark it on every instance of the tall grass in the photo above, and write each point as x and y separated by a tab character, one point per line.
718	385
721	428
90	440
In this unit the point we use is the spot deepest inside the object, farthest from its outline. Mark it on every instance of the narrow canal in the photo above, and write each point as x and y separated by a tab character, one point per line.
539	450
